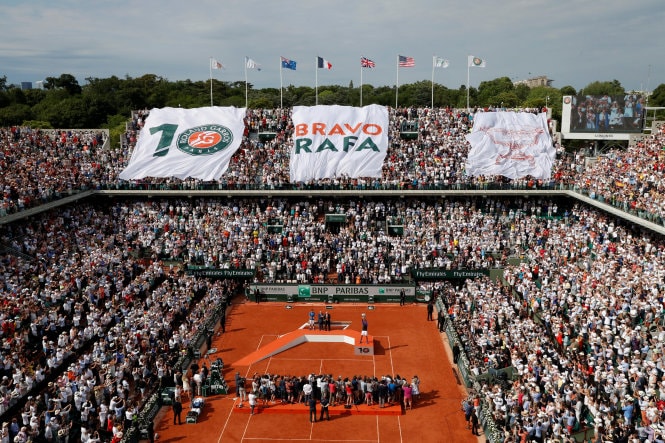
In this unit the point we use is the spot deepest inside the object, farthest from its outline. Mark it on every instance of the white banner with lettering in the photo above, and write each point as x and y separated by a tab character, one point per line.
512	144
181	143
336	141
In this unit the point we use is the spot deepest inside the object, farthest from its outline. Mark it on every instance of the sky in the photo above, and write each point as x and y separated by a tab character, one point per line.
571	42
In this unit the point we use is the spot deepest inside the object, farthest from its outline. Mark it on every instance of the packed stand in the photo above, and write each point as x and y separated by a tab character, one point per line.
581	344
631	179
604	342
39	166
98	325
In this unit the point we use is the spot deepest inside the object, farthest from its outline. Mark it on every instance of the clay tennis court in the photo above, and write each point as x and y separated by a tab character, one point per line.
260	339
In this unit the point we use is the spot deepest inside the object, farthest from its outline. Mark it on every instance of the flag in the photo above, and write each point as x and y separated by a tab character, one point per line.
288	64
334	141
406	62
366	63
511	144
323	63
440	62
475	62
181	143
251	64
214	64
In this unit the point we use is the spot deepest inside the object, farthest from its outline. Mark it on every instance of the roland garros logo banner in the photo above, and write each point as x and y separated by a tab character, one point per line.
335	141
176	142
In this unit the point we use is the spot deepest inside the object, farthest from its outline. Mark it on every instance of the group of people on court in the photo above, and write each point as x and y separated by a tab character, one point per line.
322	320
325	391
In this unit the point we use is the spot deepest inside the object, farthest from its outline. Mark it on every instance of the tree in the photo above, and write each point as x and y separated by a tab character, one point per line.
14	114
658	96
66	81
488	91
568	90
522	91
601	88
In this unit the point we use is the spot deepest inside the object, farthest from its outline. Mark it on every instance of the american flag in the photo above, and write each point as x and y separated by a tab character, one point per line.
406	62
366	63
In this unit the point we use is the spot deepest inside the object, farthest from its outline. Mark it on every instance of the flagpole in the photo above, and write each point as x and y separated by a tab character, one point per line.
281	104
361	84
245	81
210	67
397	83
316	81
433	82
467	83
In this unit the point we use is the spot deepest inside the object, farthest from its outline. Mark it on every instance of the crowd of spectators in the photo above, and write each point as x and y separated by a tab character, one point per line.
580	321
39	166
79	281
87	327
632	179
90	319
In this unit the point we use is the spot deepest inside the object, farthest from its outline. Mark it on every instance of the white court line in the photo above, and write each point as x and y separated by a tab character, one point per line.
247	427
303	439
392	367
399	425
315	359
226	423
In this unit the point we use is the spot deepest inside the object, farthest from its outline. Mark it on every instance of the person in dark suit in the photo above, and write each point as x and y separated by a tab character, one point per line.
151	431
474	423
324	408
441	321
327	321
177	410
312	409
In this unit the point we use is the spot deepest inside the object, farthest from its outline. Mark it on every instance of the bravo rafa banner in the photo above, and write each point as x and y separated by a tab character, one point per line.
335	141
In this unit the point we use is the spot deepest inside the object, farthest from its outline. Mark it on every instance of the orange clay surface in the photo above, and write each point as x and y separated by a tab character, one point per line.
404	343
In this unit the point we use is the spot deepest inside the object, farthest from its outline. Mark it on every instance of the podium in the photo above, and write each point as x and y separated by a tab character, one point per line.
364	348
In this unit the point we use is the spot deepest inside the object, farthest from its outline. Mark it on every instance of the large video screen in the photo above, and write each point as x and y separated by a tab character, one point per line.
602	116
606	113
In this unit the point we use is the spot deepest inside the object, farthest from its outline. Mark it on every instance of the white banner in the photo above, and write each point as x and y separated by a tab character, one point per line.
512	144
334	141
177	142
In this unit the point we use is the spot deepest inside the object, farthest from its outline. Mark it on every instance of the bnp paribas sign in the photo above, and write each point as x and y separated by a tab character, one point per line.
447	274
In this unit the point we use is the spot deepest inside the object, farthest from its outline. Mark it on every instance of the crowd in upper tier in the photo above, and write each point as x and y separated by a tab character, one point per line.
37	166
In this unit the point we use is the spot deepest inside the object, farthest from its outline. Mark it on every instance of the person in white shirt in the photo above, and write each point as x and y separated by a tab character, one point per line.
251	398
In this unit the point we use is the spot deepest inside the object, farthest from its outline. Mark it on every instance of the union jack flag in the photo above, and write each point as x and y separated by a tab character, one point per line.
366	63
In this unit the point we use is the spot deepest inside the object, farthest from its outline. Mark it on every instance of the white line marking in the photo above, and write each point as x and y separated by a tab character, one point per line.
245	431
302	439
390	348
399	425
226	423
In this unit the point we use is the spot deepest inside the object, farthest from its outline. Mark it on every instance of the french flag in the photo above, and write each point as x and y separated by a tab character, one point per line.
322	63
